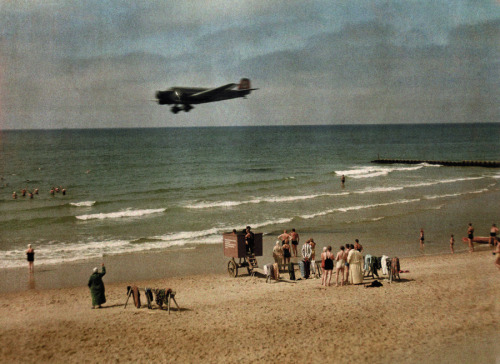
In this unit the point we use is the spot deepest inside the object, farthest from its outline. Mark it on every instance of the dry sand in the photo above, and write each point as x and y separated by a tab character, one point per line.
444	311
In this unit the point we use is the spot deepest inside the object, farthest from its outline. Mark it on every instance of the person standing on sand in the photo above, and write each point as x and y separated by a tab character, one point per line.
278	254
357	245
470	236
323	264
452	242
327	277
497	260
286	254
249	240
355	260
96	286
339	258
346	264
493	235
422	239
284	238
313	257
295	241
30	256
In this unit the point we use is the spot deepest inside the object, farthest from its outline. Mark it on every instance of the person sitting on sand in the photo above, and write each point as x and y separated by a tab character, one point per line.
30	256
278	254
327	277
339	258
452	242
493	235
470	236
96	286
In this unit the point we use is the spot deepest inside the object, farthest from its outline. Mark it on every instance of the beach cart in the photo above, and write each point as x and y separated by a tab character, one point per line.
235	248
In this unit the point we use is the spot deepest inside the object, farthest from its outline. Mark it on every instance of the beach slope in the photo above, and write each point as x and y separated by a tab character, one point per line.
444	310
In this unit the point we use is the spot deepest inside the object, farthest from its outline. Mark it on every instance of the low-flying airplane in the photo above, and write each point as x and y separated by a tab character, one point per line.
188	96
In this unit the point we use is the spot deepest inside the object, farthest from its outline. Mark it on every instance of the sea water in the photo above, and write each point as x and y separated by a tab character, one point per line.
131	190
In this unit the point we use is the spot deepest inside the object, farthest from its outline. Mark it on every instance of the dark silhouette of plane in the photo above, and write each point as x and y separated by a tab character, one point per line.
188	96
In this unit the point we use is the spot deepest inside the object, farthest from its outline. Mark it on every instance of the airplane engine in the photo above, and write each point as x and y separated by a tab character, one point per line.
163	98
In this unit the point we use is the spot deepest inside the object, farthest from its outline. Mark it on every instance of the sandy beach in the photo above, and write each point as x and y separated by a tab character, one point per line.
444	310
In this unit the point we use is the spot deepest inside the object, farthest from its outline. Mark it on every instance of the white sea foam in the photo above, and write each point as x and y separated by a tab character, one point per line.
257	200
120	214
375	171
358	207
83	203
379	189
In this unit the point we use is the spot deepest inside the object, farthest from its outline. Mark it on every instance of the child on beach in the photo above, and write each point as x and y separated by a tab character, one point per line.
452	242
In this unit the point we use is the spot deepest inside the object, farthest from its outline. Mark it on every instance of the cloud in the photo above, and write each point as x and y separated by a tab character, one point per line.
68	64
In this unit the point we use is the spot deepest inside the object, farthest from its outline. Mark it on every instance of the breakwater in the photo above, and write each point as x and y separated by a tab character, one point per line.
489	164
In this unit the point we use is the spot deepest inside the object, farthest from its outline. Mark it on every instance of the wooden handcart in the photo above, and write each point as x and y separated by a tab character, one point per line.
235	248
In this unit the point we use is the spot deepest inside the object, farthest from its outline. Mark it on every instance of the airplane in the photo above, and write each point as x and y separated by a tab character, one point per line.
188	96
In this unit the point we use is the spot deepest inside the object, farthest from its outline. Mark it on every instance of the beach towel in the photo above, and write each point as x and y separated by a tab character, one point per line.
276	271
368	260
383	263
137	296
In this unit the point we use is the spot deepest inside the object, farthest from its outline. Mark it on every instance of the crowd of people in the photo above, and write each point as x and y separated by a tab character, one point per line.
348	261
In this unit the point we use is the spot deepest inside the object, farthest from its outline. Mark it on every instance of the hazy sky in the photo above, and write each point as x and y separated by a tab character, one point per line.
98	63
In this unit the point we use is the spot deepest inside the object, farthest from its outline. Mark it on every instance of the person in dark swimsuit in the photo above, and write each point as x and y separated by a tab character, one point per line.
328	267
470	236
422	238
30	255
493	235
286	253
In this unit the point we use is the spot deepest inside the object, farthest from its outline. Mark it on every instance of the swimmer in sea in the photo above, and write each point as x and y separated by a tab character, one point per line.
14	195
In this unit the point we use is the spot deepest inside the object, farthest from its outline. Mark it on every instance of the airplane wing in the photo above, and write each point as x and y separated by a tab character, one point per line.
211	92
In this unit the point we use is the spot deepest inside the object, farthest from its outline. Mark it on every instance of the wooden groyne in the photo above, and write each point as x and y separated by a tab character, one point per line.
489	164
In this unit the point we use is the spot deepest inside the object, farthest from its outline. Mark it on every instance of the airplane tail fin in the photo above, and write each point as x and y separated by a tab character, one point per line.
244	84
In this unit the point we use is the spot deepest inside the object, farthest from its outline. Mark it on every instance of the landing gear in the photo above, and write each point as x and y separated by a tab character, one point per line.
175	109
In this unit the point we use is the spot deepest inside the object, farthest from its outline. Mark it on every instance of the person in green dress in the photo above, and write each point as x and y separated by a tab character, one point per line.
96	286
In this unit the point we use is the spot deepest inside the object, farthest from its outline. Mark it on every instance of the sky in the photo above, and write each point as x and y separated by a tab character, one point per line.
99	63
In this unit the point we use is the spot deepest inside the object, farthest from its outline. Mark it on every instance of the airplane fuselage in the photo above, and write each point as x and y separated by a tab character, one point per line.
180	95
187	96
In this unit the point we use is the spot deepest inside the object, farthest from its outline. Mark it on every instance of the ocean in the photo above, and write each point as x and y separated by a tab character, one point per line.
134	190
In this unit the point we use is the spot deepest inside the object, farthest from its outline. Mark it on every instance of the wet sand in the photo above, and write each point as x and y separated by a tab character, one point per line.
445	310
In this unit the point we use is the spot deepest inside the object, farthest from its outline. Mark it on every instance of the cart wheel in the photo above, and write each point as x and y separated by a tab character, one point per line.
232	269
